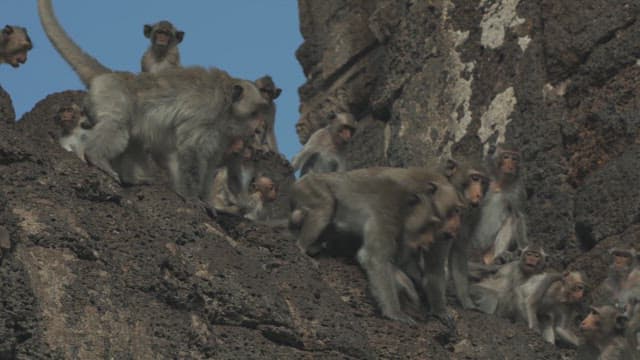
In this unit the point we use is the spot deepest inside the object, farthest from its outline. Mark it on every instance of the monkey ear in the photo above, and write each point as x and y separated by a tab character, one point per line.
236	93
179	36
147	31
276	93
332	115
450	168
8	29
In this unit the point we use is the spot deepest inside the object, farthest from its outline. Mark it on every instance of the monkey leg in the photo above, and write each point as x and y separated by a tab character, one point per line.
375	255
312	227
434	281
459	270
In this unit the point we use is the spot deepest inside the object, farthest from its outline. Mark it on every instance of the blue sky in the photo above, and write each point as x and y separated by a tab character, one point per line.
247	38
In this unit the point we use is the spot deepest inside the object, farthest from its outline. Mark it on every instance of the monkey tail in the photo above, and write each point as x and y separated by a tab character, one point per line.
85	65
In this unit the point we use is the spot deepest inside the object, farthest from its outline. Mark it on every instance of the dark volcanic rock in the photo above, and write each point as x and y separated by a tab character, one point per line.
7	113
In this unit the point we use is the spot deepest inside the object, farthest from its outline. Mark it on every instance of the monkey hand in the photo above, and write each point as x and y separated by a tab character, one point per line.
447	320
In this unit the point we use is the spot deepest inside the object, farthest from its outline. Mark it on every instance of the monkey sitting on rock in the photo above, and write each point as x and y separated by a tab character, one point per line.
75	128
163	51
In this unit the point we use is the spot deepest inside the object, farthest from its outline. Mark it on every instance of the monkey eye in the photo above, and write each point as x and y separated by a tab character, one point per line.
476	178
578	287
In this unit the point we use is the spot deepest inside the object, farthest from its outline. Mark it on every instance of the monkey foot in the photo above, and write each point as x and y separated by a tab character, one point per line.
446	320
401	317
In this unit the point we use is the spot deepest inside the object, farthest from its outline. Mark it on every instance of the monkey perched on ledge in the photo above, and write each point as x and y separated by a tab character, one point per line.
163	51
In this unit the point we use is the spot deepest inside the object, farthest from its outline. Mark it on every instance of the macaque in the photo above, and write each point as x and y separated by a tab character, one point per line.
496	295
501	228
263	190
389	218
163	52
266	136
75	127
632	333
14	45
603	331
610	291
233	179
185	118
549	304
324	150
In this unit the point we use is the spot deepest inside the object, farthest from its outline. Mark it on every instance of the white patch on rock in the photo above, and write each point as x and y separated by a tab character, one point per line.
638	62
496	118
524	41
460	89
500	15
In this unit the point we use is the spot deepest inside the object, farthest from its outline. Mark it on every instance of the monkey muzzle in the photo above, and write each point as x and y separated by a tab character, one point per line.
162	38
18	59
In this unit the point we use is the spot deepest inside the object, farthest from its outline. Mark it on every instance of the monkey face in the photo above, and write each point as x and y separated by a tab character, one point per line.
531	261
15	43
475	189
268	190
576	292
509	163
452	223
592	322
622	261
162	38
344	135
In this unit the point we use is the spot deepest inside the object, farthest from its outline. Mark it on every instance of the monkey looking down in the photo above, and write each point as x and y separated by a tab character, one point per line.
14	45
163	51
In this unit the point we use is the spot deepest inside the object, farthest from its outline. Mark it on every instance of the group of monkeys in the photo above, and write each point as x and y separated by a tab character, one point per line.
412	227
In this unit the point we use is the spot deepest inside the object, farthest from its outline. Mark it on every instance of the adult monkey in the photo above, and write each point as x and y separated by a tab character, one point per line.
501	228
186	118
471	182
612	290
163	52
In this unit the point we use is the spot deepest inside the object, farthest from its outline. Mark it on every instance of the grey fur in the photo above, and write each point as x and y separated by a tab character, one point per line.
159	56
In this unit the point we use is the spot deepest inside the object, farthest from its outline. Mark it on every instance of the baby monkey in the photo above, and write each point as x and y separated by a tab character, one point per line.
75	128
263	190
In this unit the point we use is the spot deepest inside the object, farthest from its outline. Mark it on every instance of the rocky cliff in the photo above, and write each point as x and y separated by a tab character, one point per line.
89	269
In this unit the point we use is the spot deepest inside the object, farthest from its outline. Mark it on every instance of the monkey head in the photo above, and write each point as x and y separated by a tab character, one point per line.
602	322
471	181
421	222
573	287
266	187
532	260
68	117
249	106
448	205
342	128
303	130
622	260
14	45
268	88
506	162
163	34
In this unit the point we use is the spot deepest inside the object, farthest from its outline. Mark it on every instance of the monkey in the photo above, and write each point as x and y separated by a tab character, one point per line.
233	179
502	225
603	330
549	302
75	128
323	152
610	291
163	53
263	190
471	182
632	333
185	117
14	45
495	295
266	138
375	209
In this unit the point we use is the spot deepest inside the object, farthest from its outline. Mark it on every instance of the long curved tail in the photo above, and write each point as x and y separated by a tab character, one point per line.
85	65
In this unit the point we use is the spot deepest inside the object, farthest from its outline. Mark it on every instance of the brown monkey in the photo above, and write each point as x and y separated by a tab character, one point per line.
186	118
603	331
266	137
263	190
610	291
550	302
496	294
163	52
501	228
324	150
384	213
75	128
14	45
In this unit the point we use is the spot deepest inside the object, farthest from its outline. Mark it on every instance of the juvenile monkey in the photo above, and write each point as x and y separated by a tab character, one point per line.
163	51
234	178
185	118
263	190
610	291
14	45
266	137
323	152
603	331
549	304
501	228
75	128
496	295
